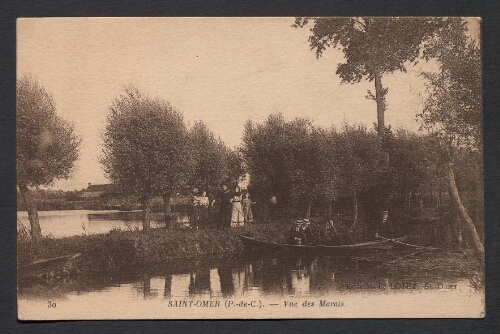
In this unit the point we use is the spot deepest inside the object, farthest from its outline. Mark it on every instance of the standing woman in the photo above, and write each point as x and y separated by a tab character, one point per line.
247	208
203	203
237	218
195	210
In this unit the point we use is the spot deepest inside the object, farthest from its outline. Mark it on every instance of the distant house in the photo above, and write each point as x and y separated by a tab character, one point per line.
95	191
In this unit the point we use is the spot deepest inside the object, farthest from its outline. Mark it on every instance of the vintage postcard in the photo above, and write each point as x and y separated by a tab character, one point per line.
249	168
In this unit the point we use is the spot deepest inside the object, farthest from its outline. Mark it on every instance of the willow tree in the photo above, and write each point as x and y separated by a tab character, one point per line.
47	145
359	155
453	107
372	47
264	150
292	160
145	148
212	162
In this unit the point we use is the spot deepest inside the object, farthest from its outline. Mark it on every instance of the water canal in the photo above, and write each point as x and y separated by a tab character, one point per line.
272	286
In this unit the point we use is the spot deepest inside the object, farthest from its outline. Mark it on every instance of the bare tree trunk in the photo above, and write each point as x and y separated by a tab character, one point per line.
355	207
146	214
380	99
29	201
462	212
308	209
167	208
329	210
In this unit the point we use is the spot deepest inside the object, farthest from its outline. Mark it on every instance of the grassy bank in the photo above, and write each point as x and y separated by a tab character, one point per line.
126	251
122	250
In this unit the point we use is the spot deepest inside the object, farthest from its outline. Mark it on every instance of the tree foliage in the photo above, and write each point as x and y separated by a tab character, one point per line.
414	165
149	151
264	154
286	159
360	158
145	147
213	163
370	44
301	163
47	145
453	106
372	47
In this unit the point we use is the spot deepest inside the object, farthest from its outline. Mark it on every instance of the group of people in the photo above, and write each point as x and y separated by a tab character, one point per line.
301	232
227	209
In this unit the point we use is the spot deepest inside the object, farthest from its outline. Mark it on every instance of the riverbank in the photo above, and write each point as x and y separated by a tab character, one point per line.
122	250
133	250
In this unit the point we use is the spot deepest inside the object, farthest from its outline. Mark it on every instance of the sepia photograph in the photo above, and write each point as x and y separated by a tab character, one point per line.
249	168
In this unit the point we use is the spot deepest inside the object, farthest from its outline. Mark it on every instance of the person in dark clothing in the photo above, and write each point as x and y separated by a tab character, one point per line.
237	216
329	235
225	207
384	228
308	235
296	235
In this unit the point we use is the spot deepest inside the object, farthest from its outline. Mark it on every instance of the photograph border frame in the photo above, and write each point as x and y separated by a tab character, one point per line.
487	10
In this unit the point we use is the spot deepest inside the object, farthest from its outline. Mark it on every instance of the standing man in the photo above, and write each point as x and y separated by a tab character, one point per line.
385	228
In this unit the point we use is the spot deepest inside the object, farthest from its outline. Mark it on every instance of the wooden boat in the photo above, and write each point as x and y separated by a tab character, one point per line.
253	244
43	266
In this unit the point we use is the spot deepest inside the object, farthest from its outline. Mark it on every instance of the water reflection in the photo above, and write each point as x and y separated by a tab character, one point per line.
215	286
271	277
226	281
253	278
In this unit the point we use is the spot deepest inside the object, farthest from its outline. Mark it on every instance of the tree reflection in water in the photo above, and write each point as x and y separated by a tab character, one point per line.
296	277
280	277
199	283
226	281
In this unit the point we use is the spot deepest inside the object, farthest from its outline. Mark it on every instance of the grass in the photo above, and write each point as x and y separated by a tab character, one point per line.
122	250
125	249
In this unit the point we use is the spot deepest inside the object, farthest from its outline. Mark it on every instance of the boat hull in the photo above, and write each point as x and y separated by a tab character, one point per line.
254	245
45	265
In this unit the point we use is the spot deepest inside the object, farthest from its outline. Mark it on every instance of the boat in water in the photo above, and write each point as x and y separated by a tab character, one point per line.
44	266
255	245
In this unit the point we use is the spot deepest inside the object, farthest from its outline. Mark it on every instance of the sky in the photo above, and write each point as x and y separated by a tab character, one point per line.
223	71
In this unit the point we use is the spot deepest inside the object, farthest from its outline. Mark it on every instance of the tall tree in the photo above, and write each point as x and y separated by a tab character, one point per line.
263	151
360	157
330	165
300	155
372	47
47	145
414	165
213	163
145	149
292	160
453	108
311	163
